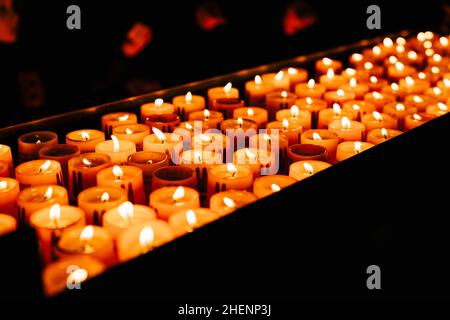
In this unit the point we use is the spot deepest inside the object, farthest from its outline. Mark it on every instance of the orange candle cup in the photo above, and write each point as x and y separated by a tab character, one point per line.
163	122
142	238
226	202
324	138
51	222
359	75
399	111
325	64
332	81
357	59
129	178
148	161
174	176
256	90
310	89
339	96
329	115
254	114
186	221
186	104
9	191
348	149
302	152
6	157
30	144
38	172
92	241
226	91
96	201
85	139
377	84
296	76
276	144
414	120
212	142
189	128
399	70
36	198
437	94
7	224
168	200
294	113
211	118
376	120
279	100
167	143
372	69
314	106
395	90
61	153
228	176
377	136
438	109
379	99
415	86
279	80
358	89
117	150
358	108
301	170
260	161
118	219
348	130
291	129
267	185
4	170
156	107
420	101
134	133
111	120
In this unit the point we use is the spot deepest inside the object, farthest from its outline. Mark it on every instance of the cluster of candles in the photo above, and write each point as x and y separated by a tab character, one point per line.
105	197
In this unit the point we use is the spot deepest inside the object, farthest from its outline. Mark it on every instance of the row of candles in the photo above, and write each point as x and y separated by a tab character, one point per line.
140	185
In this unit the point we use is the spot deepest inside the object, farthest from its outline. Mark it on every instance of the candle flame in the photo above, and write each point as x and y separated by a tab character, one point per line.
308	167
117	171
275	187
376	50
336	109
316	136
45	166
55	213
394	86
285	124
3	185
191	218
356	107
311	83
429	35
279	76
429	52
345	123
77	276
330	73
178	194
292	71
38	141
188	126
149	161
229	202
340	92
159	135
86	162
442	107
309	100
206	114
350	71
393	59
250	154
443	41
417	99
126	210
368	65
423	76
377	95
48	194
357	146
266	137
437	91
159	102
240	122
85	135
412	55
124	117
327	61
352	83
146	237
295	111
188	97
284	94
373	79
400	107
250	112
377	116
399	66
409	81
421	36
437	57
400	41
87	233
258	80
205	138
104	197
128	131
116	146
384	133
417	117
387	42
231	168
357	57
227	87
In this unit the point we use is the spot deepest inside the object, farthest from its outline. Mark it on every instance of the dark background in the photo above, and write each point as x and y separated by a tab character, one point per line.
50	69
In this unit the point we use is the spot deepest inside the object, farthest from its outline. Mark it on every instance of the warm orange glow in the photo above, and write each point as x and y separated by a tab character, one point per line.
284	94
44	167
206	114
357	146
240	122
77	276
159	135
437	91
124	117
85	135
295	111
327	61
387	42
205	138
87	234
250	112
3	185
437	57
400	49
311	83
292	71
352	83
104	197
126	210
197	157
394	86
250	155
55	213
178	194
400	107
442	106
258	80
128	131
376	50
340	93
400	41
384	133
336	109
350	71
159	102
377	95
227	87
421	36
308	167
279	76
345	123
399	66
356	107
357	57
86	162
116	145
231	168
427	44
316	136
146	237
330	73
409	81
117	171
443	41
417	117
368	65
188	126
412	55
373	79
275	187
48	194
377	116
229	202
309	100
429	52
285	124
191	218
417	99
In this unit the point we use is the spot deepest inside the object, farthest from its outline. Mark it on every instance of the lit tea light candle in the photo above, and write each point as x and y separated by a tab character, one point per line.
314	106
267	185
30	144
93	241
256	90
377	84
348	149
259	161
304	169
323	65
186	221
156	107
438	109
222	92
6	157
416	86
186	104
7	224
359	75
111	120
228	201
38	172
338	96
276	101
358	108
210	141
394	90
83	171
377	136
414	120
168	200
36	198
371	69
50	223
142	238
444	85
358	89
399	71
296	76
437	94
234	124
279	80
211	118
162	142
128	178
348	130
134	133
118	219
357	60
420	101
276	144
324	138
255	114
377	120
9	191
291	129
117	150
332	81
61	153
399	111
96	201
294	113
379	99
310	89
327	116
85	139
228	176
